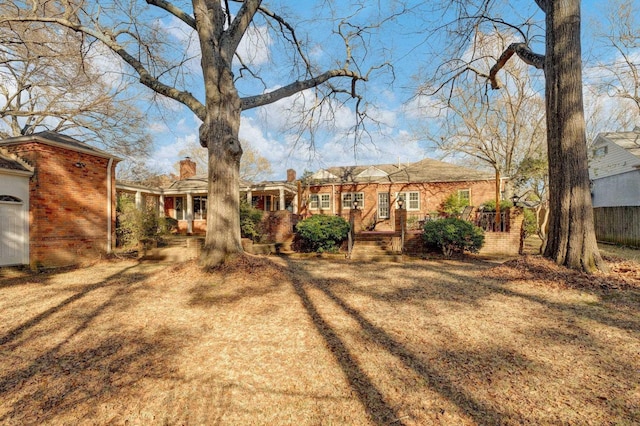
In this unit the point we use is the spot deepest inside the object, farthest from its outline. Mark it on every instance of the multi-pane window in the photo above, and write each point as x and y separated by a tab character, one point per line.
411	200
323	201
200	208
465	195
349	197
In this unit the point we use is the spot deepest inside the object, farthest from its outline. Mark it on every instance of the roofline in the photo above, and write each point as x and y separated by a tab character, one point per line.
26	173
37	138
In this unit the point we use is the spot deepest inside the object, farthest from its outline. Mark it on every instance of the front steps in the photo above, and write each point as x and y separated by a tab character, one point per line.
377	247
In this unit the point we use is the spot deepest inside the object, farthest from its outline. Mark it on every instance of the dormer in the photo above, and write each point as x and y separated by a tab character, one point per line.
372	172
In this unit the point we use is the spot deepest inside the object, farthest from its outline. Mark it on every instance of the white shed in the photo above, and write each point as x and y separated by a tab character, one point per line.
14	210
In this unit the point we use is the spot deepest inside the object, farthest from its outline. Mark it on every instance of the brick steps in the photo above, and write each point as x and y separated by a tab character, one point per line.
376	247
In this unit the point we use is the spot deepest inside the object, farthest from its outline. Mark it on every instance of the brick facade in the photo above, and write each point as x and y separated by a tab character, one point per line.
432	194
68	219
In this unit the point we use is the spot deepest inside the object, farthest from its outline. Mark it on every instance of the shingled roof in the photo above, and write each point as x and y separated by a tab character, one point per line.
60	140
427	170
9	161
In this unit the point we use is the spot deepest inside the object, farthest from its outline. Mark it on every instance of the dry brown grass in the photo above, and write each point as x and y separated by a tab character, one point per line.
279	341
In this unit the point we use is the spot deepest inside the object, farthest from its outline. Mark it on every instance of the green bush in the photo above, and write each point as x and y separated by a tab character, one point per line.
251	222
321	233
530	223
453	235
134	226
453	205
490	206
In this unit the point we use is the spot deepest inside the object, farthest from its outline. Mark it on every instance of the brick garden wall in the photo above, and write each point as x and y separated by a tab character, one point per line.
495	243
68	205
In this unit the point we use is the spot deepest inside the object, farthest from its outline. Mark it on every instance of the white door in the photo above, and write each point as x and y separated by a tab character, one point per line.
12	233
383	205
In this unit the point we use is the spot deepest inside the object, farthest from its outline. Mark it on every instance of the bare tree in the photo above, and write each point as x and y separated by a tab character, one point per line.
253	166
51	80
500	129
613	74
214	31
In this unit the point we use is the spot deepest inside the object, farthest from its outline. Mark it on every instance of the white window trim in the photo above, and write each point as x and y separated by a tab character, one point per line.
354	196
319	201
325	201
405	196
468	190
314	201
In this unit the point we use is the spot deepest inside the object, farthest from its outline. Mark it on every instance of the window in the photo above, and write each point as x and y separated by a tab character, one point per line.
322	201
325	201
181	210
465	195
383	205
411	200
600	152
200	208
10	199
349	197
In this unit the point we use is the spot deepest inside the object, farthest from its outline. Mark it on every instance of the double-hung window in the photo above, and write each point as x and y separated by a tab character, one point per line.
465	195
349	197
411	200
322	201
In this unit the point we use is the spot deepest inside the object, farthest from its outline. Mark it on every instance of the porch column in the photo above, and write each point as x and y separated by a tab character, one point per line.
282	206
189	213
295	204
161	205
249	197
139	200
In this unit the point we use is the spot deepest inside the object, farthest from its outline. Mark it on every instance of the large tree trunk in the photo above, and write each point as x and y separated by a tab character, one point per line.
571	240
222	240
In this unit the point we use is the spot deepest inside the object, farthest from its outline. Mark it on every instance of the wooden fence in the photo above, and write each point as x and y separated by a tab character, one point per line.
620	225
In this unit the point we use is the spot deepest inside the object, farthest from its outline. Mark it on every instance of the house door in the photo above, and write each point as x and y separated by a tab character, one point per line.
12	231
383	205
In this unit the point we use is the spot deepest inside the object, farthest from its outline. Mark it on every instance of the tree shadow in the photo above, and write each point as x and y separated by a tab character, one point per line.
38	384
372	399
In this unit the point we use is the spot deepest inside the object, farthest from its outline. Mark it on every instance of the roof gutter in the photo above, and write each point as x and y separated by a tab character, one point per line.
109	204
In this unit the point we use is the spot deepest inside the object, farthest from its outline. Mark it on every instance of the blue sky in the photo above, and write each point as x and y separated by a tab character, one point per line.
393	138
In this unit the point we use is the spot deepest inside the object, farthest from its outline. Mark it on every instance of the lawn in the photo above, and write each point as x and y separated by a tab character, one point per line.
281	341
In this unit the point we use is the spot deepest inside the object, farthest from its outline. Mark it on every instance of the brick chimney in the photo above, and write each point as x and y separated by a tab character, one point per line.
291	175
187	168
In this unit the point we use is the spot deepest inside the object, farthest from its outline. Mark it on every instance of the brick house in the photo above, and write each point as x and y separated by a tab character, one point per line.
377	189
185	198
70	198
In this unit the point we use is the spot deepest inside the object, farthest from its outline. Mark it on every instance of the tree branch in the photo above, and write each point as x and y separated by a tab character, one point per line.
524	52
175	11
146	78
295	87
233	35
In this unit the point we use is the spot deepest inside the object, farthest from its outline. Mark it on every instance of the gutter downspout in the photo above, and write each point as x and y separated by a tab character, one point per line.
109	205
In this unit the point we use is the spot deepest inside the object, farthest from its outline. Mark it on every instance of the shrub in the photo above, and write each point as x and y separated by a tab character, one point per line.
133	225
530	223
321	233
453	235
453	205
490	206
251	222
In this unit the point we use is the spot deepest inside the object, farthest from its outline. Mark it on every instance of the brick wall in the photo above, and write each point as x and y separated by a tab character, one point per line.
68	205
432	194
495	243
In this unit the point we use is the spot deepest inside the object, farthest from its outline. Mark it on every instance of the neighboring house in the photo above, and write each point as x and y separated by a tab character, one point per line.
57	201
614	169
376	189
185	199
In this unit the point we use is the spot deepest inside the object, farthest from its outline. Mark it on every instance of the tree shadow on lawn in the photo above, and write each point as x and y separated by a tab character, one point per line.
458	282
372	399
54	362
